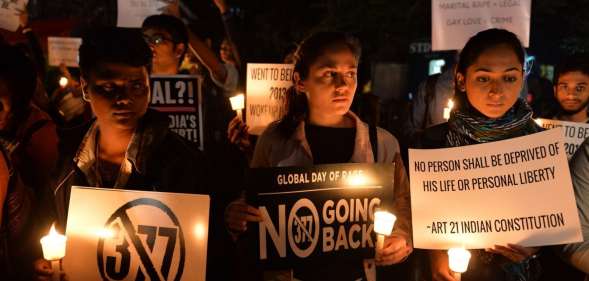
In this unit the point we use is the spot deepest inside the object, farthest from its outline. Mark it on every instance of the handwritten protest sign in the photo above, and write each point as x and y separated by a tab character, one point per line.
9	13
180	97
574	133
131	13
63	50
320	213
513	191
454	22
115	234
266	94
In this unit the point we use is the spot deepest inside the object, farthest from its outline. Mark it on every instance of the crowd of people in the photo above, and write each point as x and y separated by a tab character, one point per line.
98	130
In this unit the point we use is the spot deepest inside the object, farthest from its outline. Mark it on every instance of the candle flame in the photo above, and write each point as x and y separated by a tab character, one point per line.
384	222
450	104
237	102
63	82
458	259
52	231
538	121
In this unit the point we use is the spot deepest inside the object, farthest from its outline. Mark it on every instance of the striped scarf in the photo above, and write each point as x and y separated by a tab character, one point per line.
467	127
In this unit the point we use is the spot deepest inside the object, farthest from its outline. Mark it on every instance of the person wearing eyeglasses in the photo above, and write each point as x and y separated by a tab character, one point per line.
571	88
127	146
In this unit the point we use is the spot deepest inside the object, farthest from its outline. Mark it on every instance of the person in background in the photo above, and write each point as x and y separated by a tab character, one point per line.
571	89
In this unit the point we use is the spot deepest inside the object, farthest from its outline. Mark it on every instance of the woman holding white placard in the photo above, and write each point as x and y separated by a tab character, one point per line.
489	77
319	128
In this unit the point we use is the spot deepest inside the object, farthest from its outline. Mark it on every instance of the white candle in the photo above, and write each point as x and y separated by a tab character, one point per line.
238	104
53	245
448	109
458	260
63	82
383	226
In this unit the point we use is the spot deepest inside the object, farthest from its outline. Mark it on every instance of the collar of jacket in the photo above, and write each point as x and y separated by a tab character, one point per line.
362	147
150	132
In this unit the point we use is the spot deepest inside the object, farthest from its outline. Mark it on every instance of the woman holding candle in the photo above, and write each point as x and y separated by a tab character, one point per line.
489	77
318	117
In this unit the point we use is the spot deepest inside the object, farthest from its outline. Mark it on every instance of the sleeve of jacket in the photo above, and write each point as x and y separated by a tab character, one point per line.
402	203
578	254
263	149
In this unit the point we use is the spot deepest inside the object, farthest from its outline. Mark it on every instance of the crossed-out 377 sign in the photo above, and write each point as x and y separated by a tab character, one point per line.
132	235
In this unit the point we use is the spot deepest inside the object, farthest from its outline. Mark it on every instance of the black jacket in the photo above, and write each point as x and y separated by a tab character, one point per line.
166	163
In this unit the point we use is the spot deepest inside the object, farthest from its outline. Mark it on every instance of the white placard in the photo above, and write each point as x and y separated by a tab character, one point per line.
115	234
266	89
9	13
63	50
515	191
454	22
574	133
131	13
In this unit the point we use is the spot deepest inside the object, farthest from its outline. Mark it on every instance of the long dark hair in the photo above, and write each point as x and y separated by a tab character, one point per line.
478	44
307	53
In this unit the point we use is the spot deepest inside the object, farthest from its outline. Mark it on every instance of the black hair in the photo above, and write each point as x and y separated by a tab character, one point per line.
571	63
172	25
306	54
18	72
113	45
480	43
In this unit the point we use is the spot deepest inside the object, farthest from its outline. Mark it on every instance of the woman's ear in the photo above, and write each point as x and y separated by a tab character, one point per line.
299	83
460	83
84	87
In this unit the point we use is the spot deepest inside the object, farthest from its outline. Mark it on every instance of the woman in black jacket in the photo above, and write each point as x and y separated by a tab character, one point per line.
489	77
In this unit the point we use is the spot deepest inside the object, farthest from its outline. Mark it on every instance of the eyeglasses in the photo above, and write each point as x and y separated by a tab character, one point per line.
156	39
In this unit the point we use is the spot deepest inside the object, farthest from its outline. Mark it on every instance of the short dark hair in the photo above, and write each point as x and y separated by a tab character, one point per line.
113	45
172	25
570	63
20	76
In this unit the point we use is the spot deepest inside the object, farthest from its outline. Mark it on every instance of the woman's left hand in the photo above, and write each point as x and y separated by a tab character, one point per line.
396	249
514	253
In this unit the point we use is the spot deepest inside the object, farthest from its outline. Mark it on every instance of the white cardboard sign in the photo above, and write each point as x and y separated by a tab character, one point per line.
64	50
454	22
9	13
131	13
115	234
266	89
515	191
574	133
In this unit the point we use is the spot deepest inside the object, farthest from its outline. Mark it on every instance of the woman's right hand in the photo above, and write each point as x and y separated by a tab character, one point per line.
237	133
439	266
238	213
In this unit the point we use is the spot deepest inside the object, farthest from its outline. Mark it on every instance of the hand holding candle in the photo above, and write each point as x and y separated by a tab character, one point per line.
383	226
458	260
53	245
237	104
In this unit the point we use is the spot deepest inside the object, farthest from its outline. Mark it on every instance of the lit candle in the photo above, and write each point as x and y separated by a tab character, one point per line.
53	245
458	260
448	109
63	82
538	121
237	104
383	226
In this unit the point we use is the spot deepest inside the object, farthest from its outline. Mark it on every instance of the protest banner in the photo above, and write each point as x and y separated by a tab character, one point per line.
515	191
131	13
63	50
574	133
266	94
454	22
180	97
115	234
9	13
321	213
